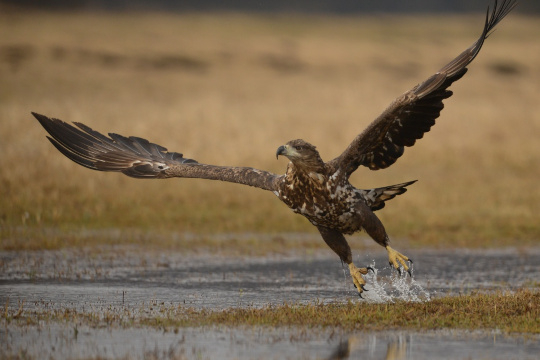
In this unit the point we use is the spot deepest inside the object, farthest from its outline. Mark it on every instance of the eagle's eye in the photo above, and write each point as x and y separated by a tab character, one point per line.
298	148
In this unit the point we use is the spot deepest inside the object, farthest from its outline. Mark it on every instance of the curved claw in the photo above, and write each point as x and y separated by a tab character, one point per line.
410	260
410	273
398	260
370	268
363	288
360	294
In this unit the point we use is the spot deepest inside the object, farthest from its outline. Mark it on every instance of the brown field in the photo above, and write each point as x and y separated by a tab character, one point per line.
228	89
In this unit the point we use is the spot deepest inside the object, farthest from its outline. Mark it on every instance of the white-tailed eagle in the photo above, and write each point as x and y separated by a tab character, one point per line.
318	190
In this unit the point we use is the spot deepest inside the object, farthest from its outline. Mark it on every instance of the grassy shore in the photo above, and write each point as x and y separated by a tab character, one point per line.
509	313
228	89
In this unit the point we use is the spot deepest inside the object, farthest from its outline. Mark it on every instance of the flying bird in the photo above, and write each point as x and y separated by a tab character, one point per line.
318	190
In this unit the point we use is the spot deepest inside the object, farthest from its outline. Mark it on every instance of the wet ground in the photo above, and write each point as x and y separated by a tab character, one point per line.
129	278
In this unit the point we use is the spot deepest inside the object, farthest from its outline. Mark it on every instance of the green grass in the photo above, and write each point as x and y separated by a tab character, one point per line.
508	312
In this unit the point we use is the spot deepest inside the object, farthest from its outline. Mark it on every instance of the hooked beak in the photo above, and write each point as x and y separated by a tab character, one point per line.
282	150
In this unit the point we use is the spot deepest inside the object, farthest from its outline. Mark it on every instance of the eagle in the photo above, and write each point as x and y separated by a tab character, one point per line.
318	190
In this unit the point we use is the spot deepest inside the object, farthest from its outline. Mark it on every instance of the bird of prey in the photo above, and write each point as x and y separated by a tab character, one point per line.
318	190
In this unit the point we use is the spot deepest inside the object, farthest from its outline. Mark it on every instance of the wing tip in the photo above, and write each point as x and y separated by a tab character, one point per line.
41	118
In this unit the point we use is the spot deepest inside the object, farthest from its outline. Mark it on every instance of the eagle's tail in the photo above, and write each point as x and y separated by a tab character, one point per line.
375	198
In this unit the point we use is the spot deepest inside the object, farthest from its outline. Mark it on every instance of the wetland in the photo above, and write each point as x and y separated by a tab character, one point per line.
122	302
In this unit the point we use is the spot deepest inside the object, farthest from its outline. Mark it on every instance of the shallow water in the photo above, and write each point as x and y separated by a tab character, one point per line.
61	342
127	277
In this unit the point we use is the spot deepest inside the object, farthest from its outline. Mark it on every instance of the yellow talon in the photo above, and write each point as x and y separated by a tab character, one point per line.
397	258
358	280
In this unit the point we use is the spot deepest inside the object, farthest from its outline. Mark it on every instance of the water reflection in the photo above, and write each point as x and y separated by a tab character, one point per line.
342	351
396	348
61	341
433	345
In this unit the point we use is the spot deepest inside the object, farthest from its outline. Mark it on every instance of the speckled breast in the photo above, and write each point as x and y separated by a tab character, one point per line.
330	205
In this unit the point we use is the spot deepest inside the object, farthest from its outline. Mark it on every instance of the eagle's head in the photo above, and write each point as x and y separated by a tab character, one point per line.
302	154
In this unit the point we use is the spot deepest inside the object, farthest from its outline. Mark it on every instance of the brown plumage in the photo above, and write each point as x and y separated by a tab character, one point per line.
318	190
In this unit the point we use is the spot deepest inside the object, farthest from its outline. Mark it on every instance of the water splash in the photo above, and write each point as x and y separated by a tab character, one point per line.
395	287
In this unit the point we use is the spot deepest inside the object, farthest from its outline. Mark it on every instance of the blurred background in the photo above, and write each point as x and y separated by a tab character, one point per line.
302	6
228	83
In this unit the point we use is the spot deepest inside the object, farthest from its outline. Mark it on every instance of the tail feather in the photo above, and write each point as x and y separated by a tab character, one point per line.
375	198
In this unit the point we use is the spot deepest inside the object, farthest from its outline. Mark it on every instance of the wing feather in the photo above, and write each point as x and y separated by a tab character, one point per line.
139	158
413	114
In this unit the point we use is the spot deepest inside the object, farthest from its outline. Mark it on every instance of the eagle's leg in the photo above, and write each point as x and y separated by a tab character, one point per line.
375	229
337	242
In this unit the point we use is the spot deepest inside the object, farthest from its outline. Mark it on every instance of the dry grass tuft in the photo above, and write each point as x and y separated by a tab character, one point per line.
510	313
229	89
517	312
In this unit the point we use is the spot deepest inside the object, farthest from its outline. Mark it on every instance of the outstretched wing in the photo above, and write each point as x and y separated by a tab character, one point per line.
139	158
413	113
